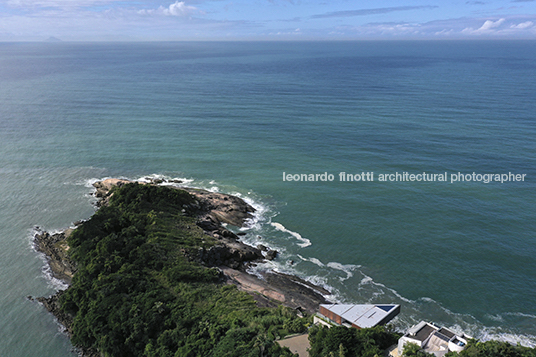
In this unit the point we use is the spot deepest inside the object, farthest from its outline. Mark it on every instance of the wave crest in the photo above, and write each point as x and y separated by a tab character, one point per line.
305	242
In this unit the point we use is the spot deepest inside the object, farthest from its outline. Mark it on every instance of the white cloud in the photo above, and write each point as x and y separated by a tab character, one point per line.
179	8
444	32
455	28
523	25
489	26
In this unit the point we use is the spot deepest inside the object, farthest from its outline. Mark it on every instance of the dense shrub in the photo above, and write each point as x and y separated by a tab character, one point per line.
414	350
341	341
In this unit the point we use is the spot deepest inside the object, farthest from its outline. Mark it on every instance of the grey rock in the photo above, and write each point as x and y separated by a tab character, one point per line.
271	254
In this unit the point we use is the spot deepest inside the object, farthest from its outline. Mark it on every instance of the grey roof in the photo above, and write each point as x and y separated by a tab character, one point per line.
364	315
424	332
447	332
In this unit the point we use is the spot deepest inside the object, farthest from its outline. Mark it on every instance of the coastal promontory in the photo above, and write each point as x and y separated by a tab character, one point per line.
155	272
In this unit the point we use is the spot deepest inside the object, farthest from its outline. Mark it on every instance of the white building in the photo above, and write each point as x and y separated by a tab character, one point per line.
433	339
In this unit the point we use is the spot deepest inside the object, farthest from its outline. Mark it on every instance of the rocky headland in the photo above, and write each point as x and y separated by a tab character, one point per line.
229	254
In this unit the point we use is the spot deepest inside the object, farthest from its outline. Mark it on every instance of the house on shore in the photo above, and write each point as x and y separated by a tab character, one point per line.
358	316
433	339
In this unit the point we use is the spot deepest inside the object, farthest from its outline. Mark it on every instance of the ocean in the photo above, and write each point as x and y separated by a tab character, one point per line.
240	117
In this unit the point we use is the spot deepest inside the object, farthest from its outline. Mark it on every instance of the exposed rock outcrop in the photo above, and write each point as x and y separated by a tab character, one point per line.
52	304
103	189
223	208
271	254
55	248
231	254
298	293
277	288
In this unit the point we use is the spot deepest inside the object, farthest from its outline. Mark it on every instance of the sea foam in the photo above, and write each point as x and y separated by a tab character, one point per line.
305	242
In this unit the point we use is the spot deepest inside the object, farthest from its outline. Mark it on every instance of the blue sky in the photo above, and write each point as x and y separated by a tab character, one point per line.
103	20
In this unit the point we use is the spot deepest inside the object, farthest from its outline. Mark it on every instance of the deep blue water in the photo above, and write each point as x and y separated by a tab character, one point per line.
234	116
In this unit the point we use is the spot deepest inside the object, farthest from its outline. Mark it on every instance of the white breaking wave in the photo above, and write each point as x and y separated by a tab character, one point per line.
167	180
150	178
174	182
54	283
368	280
305	242
347	268
46	271
317	262
497	318
447	311
490	334
259	216
89	182
312	260
520	314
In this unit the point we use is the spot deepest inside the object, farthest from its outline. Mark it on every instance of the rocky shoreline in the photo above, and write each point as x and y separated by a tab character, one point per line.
229	254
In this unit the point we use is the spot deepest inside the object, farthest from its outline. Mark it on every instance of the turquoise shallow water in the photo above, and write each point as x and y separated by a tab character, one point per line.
234	116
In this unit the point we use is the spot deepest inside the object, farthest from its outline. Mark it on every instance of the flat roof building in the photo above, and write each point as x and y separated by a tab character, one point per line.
433	339
359	316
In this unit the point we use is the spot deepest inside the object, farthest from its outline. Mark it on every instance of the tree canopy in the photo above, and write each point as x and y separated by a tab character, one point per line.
340	341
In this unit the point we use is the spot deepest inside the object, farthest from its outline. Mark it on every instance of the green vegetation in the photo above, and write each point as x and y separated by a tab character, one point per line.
494	349
136	294
341	341
414	350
